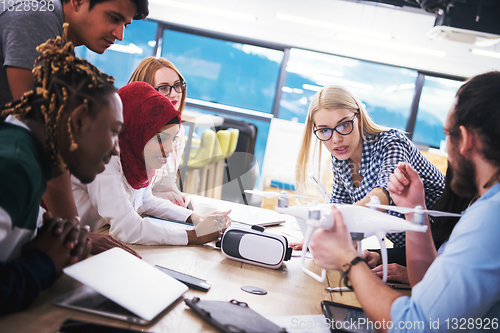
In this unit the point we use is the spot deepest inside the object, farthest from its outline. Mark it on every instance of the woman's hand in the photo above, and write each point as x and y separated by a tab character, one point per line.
395	272
101	243
208	227
373	259
173	197
333	248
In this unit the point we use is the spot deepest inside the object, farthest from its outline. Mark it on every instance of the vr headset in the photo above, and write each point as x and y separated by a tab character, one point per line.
254	246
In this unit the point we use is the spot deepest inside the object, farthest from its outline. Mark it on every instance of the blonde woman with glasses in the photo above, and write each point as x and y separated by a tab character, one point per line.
162	75
364	154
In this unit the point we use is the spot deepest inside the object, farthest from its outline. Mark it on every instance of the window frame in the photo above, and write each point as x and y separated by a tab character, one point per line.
251	114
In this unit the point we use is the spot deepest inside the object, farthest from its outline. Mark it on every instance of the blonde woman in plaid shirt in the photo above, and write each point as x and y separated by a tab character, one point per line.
167	80
364	154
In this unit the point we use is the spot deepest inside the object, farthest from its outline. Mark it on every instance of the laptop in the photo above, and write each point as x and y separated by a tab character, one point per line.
119	285
245	214
251	215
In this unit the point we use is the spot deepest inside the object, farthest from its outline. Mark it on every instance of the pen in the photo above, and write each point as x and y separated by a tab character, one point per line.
331	289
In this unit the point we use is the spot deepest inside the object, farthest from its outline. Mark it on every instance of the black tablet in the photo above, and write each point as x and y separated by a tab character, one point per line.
346	318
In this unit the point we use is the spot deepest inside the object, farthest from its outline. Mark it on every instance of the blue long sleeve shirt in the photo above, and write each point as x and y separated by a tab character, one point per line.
461	290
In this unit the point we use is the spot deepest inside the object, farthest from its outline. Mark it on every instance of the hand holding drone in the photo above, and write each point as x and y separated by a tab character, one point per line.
362	222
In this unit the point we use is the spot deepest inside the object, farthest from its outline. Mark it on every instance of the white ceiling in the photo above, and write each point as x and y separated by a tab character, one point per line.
408	29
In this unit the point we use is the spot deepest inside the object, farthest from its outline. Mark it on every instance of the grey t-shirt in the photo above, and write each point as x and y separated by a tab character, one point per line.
23	27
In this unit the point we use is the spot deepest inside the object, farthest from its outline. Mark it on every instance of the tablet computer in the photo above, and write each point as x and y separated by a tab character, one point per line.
117	279
80	326
174	223
346	318
88	300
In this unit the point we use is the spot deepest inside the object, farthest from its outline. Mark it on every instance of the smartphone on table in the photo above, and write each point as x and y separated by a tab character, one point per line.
189	280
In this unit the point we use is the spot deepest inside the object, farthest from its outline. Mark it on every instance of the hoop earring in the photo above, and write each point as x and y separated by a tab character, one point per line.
73	145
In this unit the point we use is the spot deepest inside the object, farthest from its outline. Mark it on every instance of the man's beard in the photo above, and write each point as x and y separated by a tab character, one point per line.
464	177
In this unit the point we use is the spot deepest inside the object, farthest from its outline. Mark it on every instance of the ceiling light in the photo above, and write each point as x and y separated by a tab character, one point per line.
312	87
205	10
130	48
486	53
330	79
336	27
324	81
312	70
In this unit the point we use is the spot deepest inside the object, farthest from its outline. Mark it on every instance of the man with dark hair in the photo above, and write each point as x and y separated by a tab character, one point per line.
458	290
93	23
29	23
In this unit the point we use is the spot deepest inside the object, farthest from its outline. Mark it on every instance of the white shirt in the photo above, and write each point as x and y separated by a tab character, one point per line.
109	199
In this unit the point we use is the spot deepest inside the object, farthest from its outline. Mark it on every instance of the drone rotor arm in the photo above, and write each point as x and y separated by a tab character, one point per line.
437	213
402	210
406	210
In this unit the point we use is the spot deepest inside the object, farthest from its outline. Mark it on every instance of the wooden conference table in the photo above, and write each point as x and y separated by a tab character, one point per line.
290	292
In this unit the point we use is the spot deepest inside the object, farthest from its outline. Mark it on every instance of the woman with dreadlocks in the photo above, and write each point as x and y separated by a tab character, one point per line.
69	121
122	195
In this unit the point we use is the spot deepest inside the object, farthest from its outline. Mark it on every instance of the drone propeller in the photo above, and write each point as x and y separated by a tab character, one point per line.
269	195
418	209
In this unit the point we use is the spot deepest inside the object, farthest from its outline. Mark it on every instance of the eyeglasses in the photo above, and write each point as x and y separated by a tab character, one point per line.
165	89
345	128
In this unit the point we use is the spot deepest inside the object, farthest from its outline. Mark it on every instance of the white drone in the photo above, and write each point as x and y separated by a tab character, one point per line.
361	222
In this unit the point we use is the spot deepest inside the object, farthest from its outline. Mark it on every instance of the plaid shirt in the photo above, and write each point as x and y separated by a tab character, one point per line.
379	159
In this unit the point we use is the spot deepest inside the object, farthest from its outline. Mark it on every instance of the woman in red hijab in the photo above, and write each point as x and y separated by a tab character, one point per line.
121	195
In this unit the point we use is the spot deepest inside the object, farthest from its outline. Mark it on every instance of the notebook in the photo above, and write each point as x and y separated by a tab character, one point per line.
127	281
245	214
255	215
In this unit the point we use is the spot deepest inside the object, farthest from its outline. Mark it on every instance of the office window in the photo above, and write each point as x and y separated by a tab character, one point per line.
435	101
223	72
386	91
121	59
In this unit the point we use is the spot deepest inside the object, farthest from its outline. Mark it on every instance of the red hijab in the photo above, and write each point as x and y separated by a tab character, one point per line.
145	112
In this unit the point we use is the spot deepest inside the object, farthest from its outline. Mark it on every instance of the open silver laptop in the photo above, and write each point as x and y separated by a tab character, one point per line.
121	286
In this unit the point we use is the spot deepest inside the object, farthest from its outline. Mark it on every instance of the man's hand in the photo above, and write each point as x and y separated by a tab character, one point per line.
406	187
62	240
333	248
101	243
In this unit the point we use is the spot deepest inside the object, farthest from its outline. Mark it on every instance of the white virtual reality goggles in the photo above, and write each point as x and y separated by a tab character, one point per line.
254	246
